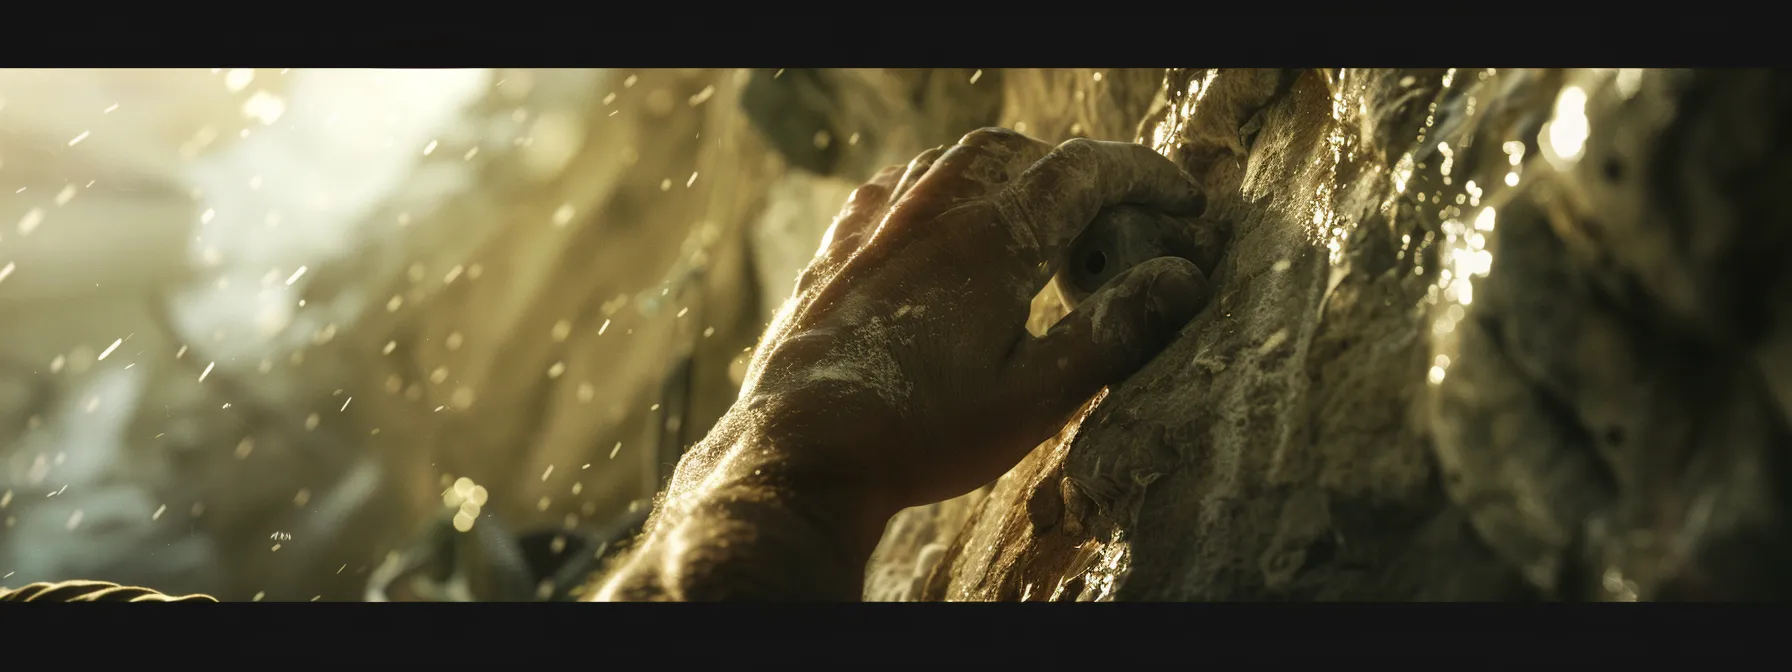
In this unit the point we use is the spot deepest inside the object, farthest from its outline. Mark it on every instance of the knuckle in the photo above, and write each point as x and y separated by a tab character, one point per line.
987	135
1078	147
925	159
867	193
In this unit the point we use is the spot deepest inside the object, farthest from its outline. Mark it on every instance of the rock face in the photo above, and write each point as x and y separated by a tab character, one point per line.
1477	335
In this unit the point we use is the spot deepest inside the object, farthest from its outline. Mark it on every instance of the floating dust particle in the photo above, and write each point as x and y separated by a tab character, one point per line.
343	567
245	446
438	375
315	598
976	76
822	139
709	331
586	392
563	214
311	421
470	154
295	276
5	499
390	346
682	311
614	451
258	596
588	465
666	184
545	589
413	392
852	139
6	270
74	520
1020	127
110	348
558	545
77	140
454	341
429	148
197	510
629	81
345	405
1281	265
207	371
1274	340
557	369
452	274
546	474
600	329
302	498
561	330
474	271
703	96
57	363
543	503
67	194
577	488
609	98
462	398
654	407
691	181
31	220
779	73
159	511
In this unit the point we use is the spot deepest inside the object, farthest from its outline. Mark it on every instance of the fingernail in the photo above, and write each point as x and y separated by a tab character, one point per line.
1178	294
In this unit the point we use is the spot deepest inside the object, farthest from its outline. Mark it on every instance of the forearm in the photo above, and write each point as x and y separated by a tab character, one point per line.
746	535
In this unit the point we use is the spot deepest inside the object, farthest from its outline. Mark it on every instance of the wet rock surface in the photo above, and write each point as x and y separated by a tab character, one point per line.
1477	335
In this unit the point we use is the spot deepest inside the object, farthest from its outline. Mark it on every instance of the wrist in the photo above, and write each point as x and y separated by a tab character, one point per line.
778	478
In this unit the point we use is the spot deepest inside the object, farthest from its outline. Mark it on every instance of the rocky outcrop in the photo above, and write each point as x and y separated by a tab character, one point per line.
1478	335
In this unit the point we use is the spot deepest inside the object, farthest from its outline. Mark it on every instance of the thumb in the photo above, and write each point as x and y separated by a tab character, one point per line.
1109	336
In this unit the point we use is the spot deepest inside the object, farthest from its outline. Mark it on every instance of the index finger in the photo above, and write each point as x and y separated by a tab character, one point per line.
1050	204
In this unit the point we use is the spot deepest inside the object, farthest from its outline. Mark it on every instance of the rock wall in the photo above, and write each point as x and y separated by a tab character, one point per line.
1478	335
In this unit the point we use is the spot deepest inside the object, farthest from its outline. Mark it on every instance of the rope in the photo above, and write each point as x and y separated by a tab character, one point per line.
91	591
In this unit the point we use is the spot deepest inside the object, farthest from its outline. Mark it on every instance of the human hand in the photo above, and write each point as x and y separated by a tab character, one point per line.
901	368
901	372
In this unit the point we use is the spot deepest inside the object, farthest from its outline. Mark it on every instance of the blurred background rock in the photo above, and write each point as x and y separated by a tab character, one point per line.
266	333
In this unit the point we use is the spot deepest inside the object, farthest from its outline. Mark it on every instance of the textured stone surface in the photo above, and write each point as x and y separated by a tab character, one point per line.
1556	384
